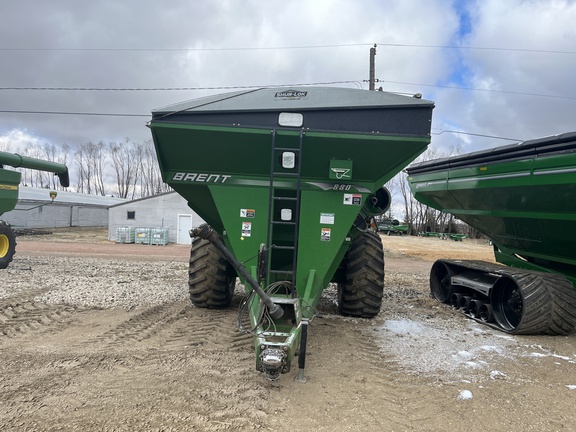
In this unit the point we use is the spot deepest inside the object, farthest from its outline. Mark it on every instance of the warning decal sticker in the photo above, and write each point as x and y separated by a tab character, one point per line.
352	199
327	218
247	213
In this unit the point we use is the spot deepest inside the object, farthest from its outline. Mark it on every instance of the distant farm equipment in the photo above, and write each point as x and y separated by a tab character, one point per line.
391	227
9	183
442	235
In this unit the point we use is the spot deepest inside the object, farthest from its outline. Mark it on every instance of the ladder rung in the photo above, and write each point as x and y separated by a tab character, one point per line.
295	150
283	223
279	198
281	271
287	174
282	247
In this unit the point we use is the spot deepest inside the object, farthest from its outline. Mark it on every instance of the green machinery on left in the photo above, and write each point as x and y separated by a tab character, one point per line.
9	182
288	181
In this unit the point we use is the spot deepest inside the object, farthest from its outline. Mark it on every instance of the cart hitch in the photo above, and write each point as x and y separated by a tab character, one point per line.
273	362
207	233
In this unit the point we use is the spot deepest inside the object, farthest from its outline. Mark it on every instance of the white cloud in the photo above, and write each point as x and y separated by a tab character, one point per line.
218	26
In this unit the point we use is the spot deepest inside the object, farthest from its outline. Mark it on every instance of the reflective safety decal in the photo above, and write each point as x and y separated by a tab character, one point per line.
325	234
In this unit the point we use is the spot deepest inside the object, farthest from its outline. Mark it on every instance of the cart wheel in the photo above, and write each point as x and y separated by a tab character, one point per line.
7	244
360	295
212	278
534	303
440	286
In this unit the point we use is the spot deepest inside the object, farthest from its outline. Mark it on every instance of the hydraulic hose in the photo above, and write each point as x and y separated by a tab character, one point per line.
207	233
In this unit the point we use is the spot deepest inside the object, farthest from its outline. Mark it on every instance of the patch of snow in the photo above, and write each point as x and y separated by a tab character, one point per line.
465	394
497	375
561	357
404	327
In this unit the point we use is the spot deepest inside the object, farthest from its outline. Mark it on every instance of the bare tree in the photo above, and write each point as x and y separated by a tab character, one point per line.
82	172
122	156
421	217
151	178
90	161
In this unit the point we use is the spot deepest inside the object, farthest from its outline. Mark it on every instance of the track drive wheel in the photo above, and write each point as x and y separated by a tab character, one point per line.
360	295
534	303
211	278
440	286
7	244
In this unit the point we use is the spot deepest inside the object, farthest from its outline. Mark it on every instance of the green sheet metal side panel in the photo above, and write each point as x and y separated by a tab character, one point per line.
324	225
224	174
215	150
377	158
9	182
245	218
527	206
245	152
324	229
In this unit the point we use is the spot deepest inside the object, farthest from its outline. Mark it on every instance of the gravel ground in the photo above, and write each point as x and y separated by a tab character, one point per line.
101	337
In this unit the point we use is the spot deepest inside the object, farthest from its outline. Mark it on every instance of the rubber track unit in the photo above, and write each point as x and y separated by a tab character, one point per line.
7	244
212	278
362	292
548	299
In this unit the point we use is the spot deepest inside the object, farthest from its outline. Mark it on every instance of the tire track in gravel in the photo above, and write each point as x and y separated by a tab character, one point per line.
177	325
141	326
20	315
179	349
169	367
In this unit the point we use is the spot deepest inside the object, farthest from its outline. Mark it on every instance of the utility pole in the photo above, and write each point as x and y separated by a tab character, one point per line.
372	71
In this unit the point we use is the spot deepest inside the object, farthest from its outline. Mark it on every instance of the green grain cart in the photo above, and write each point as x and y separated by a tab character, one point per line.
523	197
288	181
9	182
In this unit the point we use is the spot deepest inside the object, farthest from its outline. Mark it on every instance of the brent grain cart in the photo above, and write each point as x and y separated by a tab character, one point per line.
523	197
288	181
9	182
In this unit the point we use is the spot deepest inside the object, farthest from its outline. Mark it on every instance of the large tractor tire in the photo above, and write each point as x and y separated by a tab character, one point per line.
211	278
360	295
7	244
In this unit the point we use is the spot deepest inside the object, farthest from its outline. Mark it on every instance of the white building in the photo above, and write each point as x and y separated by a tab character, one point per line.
36	209
168	210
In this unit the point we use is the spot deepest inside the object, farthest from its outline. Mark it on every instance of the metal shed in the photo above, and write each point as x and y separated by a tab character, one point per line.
36	209
167	210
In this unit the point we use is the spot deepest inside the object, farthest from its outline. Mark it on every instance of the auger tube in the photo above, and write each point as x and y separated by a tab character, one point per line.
17	161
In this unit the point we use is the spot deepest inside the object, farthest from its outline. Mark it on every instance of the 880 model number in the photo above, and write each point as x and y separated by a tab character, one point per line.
341	187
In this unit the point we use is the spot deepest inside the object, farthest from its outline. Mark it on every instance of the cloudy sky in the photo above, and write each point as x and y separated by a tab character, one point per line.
495	68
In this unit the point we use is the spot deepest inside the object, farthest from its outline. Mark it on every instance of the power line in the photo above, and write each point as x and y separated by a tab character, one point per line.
277	85
475	134
462	47
481	90
296	47
191	49
74	113
175	88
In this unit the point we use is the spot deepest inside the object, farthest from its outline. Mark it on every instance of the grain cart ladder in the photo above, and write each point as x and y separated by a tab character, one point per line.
288	181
